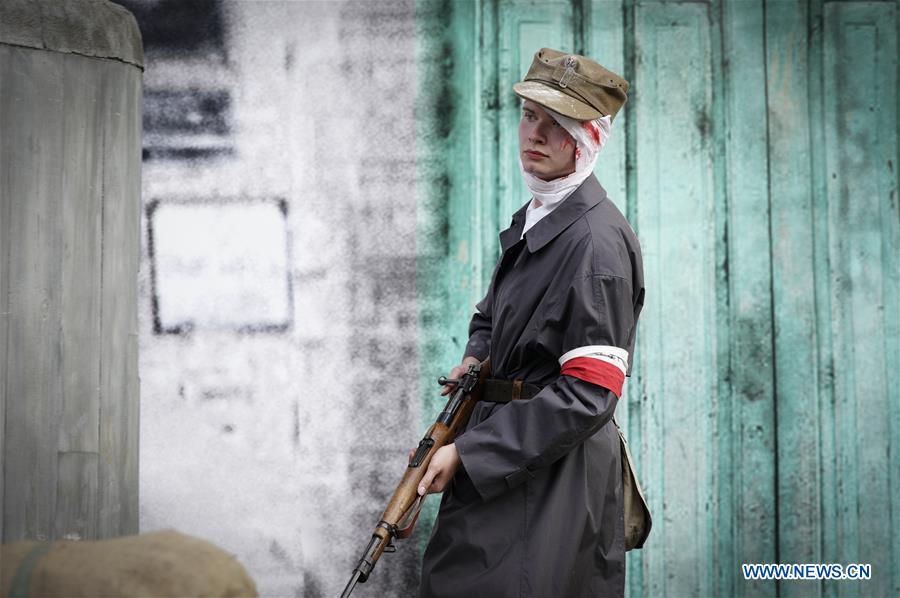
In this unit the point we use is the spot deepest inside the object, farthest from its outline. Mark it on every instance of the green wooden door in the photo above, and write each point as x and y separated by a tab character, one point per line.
682	359
756	159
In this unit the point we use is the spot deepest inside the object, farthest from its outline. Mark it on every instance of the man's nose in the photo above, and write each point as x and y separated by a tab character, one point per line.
537	134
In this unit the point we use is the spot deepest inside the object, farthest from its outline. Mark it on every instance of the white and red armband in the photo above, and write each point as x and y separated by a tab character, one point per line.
603	365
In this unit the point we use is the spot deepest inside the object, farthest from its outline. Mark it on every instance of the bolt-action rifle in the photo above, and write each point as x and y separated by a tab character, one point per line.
402	511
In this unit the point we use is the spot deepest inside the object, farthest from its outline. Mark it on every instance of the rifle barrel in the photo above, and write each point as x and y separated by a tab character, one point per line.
351	584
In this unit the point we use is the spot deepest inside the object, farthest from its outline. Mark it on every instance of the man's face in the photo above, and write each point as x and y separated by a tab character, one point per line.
546	148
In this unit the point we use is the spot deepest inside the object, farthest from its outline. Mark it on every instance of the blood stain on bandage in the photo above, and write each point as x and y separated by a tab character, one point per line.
592	128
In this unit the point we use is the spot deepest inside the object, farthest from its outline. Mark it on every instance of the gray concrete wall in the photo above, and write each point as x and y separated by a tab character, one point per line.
70	174
277	443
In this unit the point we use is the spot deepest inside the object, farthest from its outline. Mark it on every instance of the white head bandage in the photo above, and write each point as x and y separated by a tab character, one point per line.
590	137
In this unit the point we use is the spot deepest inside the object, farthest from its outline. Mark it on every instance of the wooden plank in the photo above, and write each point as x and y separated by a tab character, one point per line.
76	509
675	208
438	115
32	125
860	131
76	504
457	163
119	407
80	298
467	232
487	138
604	43
747	489
816	540
524	28
5	207
793	288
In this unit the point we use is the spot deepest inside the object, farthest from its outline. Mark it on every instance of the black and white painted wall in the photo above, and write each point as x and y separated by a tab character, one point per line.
277	295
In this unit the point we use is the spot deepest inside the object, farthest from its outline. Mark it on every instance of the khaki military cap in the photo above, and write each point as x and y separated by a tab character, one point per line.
572	85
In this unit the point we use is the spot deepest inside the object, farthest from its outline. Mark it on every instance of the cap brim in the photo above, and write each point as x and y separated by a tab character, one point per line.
548	97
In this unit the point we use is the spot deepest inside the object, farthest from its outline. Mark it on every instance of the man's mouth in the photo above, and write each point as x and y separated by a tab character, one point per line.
535	154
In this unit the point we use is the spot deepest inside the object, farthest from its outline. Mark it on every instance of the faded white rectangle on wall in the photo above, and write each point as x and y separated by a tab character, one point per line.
220	265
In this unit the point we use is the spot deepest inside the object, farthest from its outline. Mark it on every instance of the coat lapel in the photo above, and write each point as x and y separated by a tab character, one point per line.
585	197
510	236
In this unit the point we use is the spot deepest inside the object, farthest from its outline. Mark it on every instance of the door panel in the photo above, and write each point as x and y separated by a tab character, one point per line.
860	152
675	210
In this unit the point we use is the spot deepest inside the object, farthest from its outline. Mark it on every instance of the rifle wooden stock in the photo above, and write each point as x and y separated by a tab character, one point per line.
402	510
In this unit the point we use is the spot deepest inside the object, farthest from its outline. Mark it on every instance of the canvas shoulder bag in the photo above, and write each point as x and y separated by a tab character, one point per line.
637	513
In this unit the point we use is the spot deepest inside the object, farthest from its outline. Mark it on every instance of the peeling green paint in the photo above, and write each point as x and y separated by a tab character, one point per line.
755	159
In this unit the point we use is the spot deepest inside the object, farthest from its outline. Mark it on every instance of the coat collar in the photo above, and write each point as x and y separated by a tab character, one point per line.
585	197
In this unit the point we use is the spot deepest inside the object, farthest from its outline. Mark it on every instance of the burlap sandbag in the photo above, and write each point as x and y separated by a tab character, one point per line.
164	563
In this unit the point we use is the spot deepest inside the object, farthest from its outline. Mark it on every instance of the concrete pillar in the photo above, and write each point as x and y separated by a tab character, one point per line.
70	181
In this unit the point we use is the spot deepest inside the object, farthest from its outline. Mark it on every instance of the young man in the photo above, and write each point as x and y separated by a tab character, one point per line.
532	502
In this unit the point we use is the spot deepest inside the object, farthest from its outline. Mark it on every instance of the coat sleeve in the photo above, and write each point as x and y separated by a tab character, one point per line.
590	330
479	344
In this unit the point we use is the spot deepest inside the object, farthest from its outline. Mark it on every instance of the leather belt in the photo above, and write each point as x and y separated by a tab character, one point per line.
504	391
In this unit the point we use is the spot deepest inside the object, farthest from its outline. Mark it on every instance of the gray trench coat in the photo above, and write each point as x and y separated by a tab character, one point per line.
535	510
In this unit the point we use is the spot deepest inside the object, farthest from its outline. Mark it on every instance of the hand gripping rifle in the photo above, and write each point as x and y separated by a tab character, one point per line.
402	511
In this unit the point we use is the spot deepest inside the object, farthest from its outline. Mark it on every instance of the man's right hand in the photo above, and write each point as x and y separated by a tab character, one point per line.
459	371
455	373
